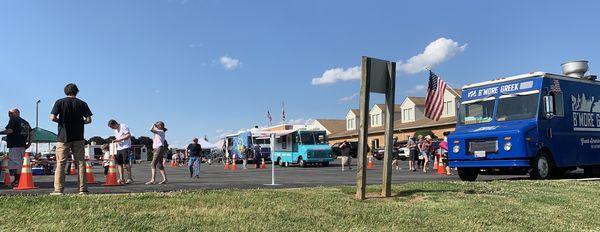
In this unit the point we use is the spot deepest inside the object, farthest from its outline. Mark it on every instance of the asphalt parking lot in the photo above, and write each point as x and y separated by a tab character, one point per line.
215	177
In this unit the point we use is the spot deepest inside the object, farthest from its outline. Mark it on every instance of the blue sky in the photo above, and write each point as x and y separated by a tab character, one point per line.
208	66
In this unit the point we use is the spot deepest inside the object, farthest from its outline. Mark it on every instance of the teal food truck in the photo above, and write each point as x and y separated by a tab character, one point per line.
302	147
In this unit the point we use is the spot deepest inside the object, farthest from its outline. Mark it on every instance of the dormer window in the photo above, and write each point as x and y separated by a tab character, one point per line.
408	115
376	120
351	124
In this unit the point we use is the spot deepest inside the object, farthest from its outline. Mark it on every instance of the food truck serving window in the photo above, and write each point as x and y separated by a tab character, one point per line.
517	106
477	111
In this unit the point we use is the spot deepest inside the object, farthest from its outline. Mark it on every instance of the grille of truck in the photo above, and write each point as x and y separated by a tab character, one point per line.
489	145
319	154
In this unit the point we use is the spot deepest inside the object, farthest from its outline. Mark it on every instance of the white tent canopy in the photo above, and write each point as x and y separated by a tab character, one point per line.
206	145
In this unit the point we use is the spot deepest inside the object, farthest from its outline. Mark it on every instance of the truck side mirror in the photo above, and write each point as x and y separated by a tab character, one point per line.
549	106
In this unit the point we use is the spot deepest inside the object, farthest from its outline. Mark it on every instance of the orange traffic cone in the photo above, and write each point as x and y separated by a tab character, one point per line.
370	164
111	178
72	169
435	164
88	172
6	170
226	164
233	166
440	169
173	163
26	180
263	165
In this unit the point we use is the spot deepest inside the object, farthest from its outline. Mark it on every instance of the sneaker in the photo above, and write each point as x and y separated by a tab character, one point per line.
86	192
56	194
129	181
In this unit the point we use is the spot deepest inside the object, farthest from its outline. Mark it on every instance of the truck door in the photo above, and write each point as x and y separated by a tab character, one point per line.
555	130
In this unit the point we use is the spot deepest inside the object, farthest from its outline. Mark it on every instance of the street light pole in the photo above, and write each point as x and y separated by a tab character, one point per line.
37	121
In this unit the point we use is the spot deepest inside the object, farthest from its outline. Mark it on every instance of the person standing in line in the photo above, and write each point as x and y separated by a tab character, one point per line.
159	145
244	156
18	139
71	114
413	156
425	148
193	153
106	158
444	153
224	147
420	158
122	158
345	148
257	155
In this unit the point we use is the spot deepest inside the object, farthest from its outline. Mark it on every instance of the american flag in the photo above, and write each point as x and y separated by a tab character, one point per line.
434	102
269	117
283	111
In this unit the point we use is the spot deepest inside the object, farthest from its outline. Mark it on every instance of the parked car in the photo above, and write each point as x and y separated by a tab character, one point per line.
336	151
400	152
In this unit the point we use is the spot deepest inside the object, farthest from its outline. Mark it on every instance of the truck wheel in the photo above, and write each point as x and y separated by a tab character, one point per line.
468	174
281	164
541	167
301	162
325	164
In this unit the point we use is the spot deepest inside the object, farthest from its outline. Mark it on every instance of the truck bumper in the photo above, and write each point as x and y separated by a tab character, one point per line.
319	160
513	163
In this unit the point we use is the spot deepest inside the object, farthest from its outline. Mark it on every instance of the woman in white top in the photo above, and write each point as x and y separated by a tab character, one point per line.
159	151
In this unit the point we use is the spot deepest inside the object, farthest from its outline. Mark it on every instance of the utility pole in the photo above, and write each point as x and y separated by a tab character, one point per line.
37	121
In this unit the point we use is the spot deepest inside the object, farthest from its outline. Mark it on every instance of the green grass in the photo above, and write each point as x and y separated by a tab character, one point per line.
430	206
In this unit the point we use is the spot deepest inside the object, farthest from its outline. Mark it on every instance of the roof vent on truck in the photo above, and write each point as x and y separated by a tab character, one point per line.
577	69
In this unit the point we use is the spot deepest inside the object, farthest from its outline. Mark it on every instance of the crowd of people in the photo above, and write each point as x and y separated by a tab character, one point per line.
423	151
71	115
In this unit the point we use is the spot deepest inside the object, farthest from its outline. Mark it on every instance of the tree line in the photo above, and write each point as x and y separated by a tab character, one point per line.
142	140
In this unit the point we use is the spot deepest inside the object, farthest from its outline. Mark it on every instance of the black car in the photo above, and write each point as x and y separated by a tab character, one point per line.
336	151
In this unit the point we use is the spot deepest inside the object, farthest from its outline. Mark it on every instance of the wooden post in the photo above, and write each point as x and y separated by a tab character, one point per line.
390	96
363	130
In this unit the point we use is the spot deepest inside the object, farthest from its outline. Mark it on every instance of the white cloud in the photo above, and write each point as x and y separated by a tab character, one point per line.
229	63
417	89
337	74
195	45
348	98
435	53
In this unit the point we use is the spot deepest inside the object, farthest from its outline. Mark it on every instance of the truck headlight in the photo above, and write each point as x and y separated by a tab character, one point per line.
456	149
507	146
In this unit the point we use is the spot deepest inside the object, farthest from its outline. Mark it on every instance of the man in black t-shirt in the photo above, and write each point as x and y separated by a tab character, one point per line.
18	140
71	114
193	152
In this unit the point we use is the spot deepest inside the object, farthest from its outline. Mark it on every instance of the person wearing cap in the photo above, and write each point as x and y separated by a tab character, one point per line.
193	152
159	145
18	139
123	142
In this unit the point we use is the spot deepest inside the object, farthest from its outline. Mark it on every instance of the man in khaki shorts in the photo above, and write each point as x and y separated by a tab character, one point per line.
71	114
18	140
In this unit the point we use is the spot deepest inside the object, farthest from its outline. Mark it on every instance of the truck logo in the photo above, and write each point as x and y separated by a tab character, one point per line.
486	128
586	113
500	89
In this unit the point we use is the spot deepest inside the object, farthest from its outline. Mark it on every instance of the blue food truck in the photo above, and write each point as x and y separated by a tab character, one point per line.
302	147
247	139
538	123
